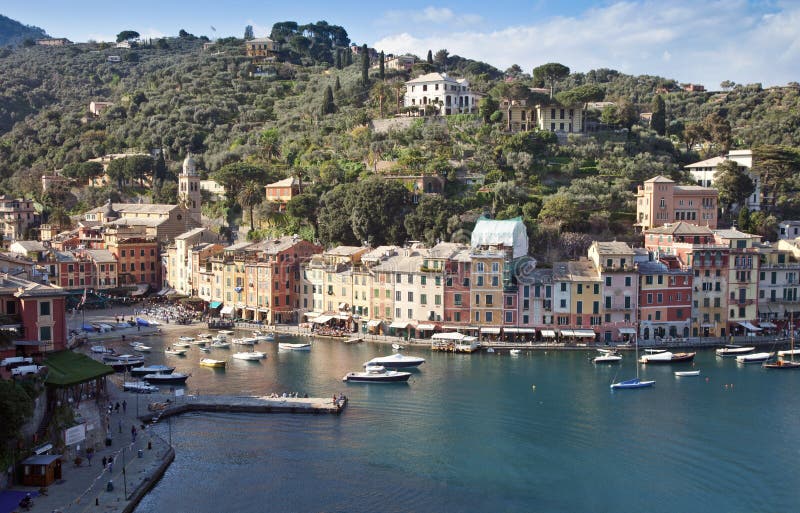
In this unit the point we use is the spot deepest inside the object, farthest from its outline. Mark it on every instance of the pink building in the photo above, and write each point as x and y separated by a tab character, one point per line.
661	201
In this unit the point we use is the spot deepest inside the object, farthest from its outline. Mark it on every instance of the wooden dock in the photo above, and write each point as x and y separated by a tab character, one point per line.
243	404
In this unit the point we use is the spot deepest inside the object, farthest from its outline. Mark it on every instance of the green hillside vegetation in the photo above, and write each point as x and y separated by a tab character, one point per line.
309	117
13	32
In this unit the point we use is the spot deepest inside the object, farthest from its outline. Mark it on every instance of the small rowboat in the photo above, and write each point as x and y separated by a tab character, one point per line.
679	374
210	362
175	352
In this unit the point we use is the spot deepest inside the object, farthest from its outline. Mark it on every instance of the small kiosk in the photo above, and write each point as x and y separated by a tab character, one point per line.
41	470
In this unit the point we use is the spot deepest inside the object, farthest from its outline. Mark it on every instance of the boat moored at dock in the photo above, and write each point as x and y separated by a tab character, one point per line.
152	369
377	374
396	361
173	378
139	387
294	347
753	358
250	356
733	350
659	356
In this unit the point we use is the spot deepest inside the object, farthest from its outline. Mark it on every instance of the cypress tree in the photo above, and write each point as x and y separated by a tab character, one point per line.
658	121
338	59
349	60
430	57
364	65
381	70
337	85
328	107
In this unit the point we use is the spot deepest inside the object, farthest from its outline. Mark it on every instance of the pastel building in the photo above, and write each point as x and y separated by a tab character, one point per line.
443	94
661	201
614	261
665	300
704	172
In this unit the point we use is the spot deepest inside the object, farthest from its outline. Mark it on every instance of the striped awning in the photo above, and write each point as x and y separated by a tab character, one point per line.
519	330
490	330
549	333
426	327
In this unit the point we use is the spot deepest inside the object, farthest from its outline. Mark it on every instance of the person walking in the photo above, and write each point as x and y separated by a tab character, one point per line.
124	405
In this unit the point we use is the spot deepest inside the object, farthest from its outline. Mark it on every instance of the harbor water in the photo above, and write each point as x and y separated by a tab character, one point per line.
540	431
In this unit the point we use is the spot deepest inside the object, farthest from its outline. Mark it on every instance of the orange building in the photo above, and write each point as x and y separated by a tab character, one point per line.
138	260
661	201
282	191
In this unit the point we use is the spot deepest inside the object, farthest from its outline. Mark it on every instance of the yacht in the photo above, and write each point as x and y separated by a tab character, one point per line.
754	358
220	344
732	350
376	374
294	347
176	351
124	362
396	361
250	355
607	357
245	341
182	345
658	356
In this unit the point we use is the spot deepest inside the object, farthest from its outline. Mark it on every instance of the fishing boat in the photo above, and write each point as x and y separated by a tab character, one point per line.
210	362
396	361
250	356
294	347
635	382
376	374
173	378
175	352
186	339
152	369
661	356
754	358
139	387
683	374
734	350
124	362
780	363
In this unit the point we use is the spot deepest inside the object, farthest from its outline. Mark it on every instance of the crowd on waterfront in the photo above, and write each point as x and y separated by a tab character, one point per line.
168	312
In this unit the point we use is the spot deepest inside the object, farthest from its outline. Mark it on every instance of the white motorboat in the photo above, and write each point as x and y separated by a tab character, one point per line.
141	348
397	347
139	387
244	341
171	378
731	350
263	337
205	349
377	374
682	374
224	333
186	339
175	352
659	356
181	344
219	344
204	335
152	369
396	361
101	350
294	347
607	357
514	352
789	352
250	355
754	358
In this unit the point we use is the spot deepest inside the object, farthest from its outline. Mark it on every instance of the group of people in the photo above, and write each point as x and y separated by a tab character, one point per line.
287	395
167	313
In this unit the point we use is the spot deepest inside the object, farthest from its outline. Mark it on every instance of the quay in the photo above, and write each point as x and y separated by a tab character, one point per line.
158	410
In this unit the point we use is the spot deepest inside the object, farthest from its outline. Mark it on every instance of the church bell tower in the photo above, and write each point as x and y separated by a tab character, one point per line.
189	188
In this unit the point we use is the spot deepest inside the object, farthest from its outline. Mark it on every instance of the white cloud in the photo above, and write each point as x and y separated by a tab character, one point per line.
429	16
101	38
686	40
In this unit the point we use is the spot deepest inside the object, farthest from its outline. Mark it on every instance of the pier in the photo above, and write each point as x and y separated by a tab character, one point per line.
243	404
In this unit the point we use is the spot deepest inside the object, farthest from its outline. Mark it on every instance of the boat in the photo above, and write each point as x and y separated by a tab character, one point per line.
224	333
141	348
659	356
397	347
250	355
151	369
219	344
514	352
789	352
171	378
263	337
780	363
377	374
101	350
124	362
635	382
734	350
139	387
210	362
175	352
754	358
204	335
181	344
681	374
607	357
205	349
244	341
396	361
490	350
294	347
354	340
198	342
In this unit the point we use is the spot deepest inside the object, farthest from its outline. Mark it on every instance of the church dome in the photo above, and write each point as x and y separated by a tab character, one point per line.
189	166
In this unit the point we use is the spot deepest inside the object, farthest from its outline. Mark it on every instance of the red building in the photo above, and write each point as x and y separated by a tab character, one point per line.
72	272
457	290
34	314
665	299
138	260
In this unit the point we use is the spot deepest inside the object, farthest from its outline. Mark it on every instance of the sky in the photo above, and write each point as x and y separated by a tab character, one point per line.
695	41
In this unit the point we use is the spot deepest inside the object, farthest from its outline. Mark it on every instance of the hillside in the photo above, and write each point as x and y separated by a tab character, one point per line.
173	94
13	32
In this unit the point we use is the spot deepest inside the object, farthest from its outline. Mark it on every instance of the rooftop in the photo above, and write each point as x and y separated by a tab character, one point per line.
434	77
101	256
613	248
712	162
680	228
275	246
580	270
659	179
286	182
134	208
344	250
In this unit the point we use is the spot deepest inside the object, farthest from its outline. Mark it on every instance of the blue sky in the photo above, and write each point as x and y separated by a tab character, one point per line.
689	40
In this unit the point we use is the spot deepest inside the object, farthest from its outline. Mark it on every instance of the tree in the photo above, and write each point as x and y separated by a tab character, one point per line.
381	69
733	184
775	166
270	142
693	134
16	407
658	119
743	222
364	65
429	220
83	171
718	131
303	207
249	196
581	94
127	35
328	107
550	73
440	58
339	59
337	85
560	208
429	59
486	107
235	175
248	33
727	85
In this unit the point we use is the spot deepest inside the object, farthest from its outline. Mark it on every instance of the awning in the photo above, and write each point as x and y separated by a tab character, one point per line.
263	310
311	315
627	331
453	327
426	327
342	306
374	323
549	333
226	310
322	319
399	325
491	331
215	304
748	326
706	325
164	292
141	289
343	317
519	330
450	336
584	333
767	324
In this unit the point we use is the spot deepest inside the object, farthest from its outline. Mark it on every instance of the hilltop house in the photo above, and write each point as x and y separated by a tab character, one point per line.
520	115
661	201
444	94
703	172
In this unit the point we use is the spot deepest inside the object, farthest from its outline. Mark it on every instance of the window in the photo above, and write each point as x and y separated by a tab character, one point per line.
495	281
479	283
397	296
477	299
423	299
457	299
627	281
479	267
488	316
563	303
45	333
489	300
579	307
410	297
437	299
44	308
495	267
509	317
423	280
563	287
580	288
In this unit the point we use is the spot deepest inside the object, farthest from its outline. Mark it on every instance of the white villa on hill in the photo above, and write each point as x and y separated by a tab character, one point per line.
446	94
703	173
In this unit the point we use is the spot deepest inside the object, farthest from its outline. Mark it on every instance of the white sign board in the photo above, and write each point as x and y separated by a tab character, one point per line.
75	434
178	392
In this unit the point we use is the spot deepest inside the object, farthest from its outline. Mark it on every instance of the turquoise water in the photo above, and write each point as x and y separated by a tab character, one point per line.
488	432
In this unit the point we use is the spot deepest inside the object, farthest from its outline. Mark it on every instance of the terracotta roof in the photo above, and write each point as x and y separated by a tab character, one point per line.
680	228
659	179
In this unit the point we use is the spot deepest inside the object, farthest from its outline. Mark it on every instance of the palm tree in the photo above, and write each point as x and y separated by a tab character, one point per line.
250	196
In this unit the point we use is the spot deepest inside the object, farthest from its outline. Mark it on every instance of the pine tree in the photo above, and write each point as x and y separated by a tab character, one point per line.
328	107
658	121
381	70
430	57
364	65
337	85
